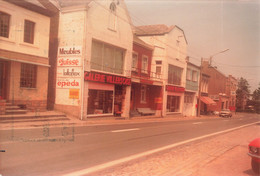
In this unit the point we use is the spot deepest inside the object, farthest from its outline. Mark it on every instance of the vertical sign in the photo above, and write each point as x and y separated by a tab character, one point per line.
69	74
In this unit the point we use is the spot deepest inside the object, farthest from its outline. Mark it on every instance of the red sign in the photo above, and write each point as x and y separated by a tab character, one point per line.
146	81
105	78
175	88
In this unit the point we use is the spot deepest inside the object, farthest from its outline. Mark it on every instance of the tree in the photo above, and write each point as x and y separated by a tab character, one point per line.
256	94
242	93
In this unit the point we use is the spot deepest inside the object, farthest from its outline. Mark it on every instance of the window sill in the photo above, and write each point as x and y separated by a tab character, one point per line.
27	88
7	40
29	45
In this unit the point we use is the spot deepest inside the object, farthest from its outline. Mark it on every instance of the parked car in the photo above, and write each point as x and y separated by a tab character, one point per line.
254	153
225	113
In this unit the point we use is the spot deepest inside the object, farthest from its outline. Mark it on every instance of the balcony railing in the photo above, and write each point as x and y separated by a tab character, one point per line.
141	73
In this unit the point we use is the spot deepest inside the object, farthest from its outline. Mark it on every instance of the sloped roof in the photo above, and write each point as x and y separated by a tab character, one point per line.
158	29
68	3
138	41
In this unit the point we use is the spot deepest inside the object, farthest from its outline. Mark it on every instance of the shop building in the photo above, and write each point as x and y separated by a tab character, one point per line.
94	59
231	89
191	90
169	60
146	87
24	62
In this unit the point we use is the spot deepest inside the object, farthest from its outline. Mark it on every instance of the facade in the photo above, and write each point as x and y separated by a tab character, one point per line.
24	61
169	60
217	87
191	90
146	87
94	59
231	88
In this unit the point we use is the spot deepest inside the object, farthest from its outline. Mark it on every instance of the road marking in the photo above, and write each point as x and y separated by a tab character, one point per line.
136	156
196	123
124	130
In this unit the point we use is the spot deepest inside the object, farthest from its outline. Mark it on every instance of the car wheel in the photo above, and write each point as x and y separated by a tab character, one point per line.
255	166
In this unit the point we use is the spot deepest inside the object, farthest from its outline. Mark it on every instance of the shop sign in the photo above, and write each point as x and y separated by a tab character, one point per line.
69	50
68	83
68	71
106	78
69	61
74	94
174	88
146	81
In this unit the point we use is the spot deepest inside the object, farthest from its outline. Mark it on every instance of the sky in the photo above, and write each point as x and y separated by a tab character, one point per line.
211	26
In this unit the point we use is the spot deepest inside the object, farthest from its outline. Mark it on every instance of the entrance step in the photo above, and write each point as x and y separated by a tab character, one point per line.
15	111
10	107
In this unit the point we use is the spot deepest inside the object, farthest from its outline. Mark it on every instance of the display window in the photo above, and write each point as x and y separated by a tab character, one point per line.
100	102
173	103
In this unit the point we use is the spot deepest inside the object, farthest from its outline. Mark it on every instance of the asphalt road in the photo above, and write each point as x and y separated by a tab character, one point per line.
61	150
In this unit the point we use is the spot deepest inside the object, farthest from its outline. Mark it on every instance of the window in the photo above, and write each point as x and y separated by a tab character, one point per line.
112	17
100	102
174	75
143	94
4	24
107	58
144	64
158	69
188	76
188	98
134	62
173	103
194	76
28	75
29	31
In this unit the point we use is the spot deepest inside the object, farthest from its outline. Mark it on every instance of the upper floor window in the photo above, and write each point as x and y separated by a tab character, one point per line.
188	76
174	75
28	75
194	76
144	64
4	24
134	62
107	58
29	31
112	17
158	69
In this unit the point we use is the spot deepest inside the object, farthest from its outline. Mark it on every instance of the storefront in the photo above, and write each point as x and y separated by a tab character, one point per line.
106	93
174	99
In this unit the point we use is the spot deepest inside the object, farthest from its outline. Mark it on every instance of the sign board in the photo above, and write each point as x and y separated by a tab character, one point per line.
174	88
106	78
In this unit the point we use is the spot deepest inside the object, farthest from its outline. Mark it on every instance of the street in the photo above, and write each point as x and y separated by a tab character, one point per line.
72	149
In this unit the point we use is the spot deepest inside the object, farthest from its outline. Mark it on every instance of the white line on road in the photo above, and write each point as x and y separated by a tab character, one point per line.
129	158
196	123
124	130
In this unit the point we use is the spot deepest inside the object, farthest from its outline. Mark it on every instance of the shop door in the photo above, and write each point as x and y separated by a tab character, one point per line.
3	83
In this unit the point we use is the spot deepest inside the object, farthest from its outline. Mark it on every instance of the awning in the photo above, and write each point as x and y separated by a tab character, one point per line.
207	100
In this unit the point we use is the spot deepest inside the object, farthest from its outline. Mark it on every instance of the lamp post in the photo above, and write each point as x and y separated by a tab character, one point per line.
199	96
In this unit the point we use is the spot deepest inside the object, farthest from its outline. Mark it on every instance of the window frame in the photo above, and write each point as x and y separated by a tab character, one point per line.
143	94
135	64
29	31
144	70
2	32
28	76
194	76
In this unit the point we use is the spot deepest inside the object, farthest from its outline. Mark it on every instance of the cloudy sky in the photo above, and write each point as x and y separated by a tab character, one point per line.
211	26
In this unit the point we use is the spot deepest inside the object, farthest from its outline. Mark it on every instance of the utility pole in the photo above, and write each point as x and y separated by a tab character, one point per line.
199	96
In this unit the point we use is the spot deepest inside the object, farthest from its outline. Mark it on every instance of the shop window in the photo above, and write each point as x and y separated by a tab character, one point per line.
174	75
107	58
28	75
194	76
29	31
144	64
100	102
143	94
4	24
134	62
173	103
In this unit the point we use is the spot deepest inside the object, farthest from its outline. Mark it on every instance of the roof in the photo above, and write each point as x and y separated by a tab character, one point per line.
140	42
68	3
158	29
189	63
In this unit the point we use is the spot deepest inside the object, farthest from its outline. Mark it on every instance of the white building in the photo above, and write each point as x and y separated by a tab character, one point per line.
169	59
94	58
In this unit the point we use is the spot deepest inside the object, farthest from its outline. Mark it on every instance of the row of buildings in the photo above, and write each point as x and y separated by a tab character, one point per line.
87	59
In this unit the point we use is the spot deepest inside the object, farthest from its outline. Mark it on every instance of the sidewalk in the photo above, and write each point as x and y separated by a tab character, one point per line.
224	155
43	118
